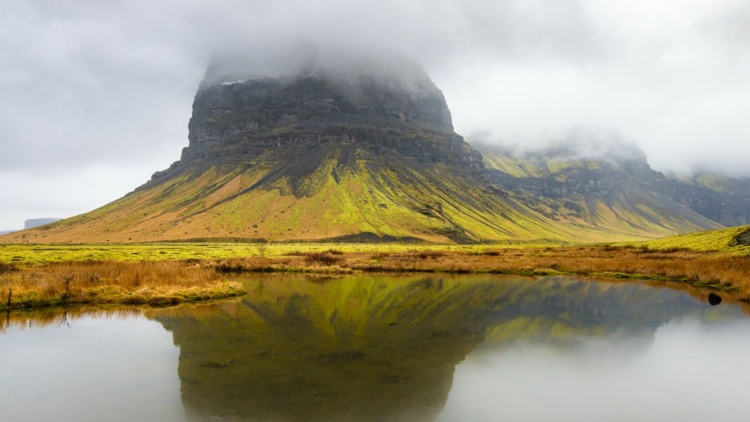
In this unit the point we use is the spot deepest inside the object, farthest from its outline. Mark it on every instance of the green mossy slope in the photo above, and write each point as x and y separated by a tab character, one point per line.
346	192
731	240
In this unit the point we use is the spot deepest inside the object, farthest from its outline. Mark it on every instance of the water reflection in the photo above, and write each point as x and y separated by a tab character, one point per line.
693	371
413	348
364	349
379	349
86	365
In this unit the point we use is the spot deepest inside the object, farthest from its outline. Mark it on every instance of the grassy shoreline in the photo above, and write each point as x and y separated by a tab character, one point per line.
33	276
110	282
724	272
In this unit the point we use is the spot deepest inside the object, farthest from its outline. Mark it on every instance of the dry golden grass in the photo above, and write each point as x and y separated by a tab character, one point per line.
155	283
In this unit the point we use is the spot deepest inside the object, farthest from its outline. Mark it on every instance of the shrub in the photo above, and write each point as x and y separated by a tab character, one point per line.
324	258
7	268
429	254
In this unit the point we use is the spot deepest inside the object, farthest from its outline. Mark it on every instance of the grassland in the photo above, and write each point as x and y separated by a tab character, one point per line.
734	240
169	273
156	283
41	254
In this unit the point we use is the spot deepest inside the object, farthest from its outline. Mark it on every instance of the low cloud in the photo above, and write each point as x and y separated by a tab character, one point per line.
576	144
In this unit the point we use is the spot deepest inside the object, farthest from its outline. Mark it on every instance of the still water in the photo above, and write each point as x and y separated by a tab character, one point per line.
372	348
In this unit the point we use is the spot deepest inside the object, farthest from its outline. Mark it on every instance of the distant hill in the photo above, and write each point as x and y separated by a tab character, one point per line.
31	223
36	222
368	153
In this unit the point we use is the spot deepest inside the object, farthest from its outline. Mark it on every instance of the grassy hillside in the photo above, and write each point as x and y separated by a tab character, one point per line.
345	192
339	192
735	240
620	197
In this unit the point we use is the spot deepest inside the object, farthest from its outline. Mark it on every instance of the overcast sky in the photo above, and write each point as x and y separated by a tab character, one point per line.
96	95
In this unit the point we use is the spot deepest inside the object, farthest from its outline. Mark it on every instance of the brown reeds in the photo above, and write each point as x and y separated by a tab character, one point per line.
324	258
155	283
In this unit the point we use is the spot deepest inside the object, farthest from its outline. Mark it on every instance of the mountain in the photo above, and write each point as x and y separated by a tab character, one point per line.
733	240
615	189
720	198
316	154
31	223
362	151
36	222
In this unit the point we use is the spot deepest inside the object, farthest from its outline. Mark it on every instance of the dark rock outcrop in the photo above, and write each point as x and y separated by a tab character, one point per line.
729	206
561	178
743	238
236	121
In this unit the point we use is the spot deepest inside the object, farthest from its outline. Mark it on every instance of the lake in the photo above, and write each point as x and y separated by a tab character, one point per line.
376	348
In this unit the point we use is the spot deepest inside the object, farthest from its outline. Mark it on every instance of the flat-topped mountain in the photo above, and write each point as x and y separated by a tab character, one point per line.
361	151
237	120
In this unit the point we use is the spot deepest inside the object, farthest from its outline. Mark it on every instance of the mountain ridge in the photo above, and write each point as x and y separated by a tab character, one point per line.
320	156
560	177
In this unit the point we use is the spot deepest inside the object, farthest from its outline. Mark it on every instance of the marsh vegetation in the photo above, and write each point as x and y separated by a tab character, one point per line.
164	274
105	282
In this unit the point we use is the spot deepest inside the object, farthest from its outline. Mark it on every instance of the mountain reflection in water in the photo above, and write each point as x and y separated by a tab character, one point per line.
369	348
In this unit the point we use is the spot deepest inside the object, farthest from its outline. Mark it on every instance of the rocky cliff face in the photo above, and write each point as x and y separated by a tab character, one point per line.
352	152
237	120
576	184
725	200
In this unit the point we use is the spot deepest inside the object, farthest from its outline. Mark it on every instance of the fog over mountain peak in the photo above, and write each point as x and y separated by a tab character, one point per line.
345	64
